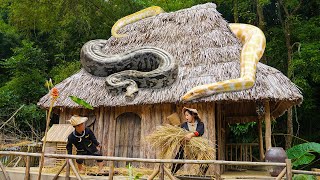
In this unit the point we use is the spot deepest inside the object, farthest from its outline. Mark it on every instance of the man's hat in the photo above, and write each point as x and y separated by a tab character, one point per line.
190	109
76	120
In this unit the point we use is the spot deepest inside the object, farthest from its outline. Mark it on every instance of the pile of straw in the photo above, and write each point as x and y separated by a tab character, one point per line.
168	139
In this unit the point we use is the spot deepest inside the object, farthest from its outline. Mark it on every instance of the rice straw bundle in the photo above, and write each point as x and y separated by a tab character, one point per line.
169	138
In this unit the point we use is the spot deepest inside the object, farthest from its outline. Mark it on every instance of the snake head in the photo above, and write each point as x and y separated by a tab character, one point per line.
194	93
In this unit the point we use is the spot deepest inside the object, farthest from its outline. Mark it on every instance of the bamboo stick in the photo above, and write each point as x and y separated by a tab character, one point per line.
155	172
60	170
53	100
19	159
289	169
111	171
282	173
161	175
6	175
217	172
305	172
261	150
74	169
268	125
168	173
110	158
67	171
27	174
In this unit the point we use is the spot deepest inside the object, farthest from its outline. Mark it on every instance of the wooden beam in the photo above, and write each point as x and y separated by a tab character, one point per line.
27	173
261	149
111	171
268	125
74	169
282	173
60	170
219	131
289	169
108	158
68	171
214	126
6	175
161	174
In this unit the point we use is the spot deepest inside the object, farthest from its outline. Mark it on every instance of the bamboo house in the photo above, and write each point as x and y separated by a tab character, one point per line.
207	51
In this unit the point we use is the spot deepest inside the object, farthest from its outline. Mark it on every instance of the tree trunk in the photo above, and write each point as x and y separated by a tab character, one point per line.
287	33
289	129
261	24
235	11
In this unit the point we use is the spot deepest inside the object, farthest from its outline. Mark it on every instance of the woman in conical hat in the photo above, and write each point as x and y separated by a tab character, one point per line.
196	127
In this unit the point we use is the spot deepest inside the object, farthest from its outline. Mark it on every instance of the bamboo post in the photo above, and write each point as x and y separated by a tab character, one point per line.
169	173
54	96
155	172
6	175
27	174
74	169
67	171
268	125
161	175
282	173
16	164
111	171
261	150
217	171
289	169
62	167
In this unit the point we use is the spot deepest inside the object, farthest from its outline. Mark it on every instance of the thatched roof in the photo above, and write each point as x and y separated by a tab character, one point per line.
207	52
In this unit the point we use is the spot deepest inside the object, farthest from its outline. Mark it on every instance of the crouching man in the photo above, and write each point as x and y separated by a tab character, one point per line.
85	142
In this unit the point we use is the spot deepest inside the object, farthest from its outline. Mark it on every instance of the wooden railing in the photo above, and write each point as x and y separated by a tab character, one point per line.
241	151
287	171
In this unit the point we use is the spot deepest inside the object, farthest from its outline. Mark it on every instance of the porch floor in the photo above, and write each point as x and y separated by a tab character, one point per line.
17	173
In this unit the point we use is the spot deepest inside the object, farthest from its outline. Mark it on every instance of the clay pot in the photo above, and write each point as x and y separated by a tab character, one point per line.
276	154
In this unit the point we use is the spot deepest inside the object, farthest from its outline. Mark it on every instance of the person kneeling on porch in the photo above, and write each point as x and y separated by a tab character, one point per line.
85	142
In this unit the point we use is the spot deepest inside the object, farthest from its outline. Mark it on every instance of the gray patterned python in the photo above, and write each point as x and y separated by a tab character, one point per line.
140	67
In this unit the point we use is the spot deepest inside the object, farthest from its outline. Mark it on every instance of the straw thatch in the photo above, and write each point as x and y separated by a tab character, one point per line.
167	140
200	40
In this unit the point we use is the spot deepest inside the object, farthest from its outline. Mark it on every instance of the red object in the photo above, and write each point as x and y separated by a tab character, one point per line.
196	133
54	92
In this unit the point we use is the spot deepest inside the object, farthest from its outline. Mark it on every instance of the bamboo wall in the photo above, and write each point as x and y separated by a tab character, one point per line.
103	122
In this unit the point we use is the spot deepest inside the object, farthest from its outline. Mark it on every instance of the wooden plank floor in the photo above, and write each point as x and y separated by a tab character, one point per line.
247	175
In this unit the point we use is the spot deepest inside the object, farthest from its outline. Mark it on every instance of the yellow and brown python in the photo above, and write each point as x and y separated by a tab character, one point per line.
253	41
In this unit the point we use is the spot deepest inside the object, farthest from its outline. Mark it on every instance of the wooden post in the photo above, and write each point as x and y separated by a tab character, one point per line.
219	131
6	175
289	169
74	169
27	174
19	159
282	173
161	175
68	170
268	125
214	126
155	172
62	167
111	171
169	173
261	150
217	172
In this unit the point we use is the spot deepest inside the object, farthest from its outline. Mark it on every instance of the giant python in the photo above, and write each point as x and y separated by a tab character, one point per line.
141	67
253	41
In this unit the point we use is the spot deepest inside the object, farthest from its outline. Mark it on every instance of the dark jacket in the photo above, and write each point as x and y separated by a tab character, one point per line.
199	129
88	142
